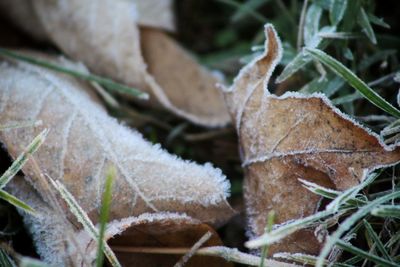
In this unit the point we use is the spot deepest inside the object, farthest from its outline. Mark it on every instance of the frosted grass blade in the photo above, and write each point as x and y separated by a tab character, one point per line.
353	80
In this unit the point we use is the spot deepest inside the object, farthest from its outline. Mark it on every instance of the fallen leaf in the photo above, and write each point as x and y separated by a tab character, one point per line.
124	48
83	140
175	232
148	230
291	137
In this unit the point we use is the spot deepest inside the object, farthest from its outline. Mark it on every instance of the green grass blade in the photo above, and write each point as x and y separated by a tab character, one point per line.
363	21
341	198
104	214
376	239
287	229
378	21
320	190
346	98
349	222
336	11
387	211
311	26
5	259
393	240
293	66
356	251
354	81
349	196
302	58
16	202
340	35
22	159
329	86
83	218
107	83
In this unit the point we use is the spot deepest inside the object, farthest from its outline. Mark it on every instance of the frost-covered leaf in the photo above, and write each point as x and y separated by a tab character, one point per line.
178	231
294	136
125	236
83	140
124	40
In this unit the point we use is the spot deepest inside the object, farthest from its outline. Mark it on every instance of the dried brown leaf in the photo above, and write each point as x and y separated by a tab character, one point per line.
177	232
111	38
291	137
148	230
83	140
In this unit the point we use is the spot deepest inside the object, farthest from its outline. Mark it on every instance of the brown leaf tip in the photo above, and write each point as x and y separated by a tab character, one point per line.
254	75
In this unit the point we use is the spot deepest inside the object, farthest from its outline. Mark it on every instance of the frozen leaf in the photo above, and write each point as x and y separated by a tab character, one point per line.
124	40
291	137
146	231
164	231
83	140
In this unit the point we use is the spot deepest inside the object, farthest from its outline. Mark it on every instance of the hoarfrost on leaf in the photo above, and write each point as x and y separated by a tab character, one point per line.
83	140
286	138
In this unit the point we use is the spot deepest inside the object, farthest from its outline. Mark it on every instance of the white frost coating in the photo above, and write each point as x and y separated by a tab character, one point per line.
48	230
113	37
153	174
289	256
266	132
286	95
117	227
135	12
52	236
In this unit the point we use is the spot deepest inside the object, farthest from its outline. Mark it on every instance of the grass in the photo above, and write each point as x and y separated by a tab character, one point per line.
15	167
104	214
8	175
83	218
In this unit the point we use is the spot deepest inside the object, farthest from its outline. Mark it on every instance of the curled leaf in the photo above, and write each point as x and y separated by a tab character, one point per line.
287	138
114	39
148	230
83	140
